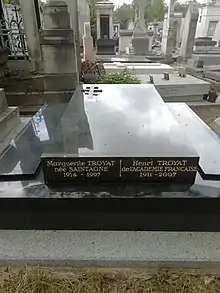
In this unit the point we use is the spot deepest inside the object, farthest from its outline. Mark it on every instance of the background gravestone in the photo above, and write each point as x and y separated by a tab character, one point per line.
104	22
140	41
189	31
88	51
169	41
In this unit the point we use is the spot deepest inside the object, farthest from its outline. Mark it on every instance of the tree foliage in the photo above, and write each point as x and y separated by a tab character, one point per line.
123	14
11	2
181	7
156	11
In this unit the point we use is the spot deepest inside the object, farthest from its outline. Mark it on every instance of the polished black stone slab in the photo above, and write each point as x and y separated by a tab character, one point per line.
121	133
106	46
205	141
22	157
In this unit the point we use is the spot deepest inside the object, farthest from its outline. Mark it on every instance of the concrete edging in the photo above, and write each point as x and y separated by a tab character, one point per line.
110	249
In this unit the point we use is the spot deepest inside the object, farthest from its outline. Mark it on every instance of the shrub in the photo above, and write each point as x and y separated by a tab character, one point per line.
121	77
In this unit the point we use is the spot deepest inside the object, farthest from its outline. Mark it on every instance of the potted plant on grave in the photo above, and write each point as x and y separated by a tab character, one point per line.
88	71
122	77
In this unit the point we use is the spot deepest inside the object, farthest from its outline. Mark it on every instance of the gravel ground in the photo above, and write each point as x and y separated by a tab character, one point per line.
207	113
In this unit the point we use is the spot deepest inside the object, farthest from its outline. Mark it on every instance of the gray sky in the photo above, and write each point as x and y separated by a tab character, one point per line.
120	2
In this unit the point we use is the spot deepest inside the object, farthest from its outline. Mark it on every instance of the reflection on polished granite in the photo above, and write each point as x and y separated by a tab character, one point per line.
127	120
31	205
37	189
22	157
122	120
27	203
205	141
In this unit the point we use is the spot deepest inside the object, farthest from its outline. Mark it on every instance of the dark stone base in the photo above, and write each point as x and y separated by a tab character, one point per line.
140	45
106	47
39	89
131	214
204	41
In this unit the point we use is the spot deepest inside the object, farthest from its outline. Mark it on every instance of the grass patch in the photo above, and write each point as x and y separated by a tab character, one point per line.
38	280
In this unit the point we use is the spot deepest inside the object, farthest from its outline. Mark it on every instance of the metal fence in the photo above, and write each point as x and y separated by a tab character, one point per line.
12	35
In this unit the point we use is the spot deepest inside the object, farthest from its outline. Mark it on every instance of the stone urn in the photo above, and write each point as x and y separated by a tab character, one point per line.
89	78
3	60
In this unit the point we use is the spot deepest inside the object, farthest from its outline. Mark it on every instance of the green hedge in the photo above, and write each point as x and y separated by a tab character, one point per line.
121	77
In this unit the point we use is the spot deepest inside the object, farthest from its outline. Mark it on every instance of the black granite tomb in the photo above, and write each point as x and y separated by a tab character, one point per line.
120	134
109	121
31	205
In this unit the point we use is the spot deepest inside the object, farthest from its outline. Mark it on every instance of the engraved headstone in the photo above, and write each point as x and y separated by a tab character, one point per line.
88	50
169	37
120	134
189	31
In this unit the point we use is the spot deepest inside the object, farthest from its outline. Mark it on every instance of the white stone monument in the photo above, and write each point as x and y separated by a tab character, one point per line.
130	25
140	41
209	20
58	46
189	31
83	15
140	29
169	42
31	32
88	50
75	24
216	36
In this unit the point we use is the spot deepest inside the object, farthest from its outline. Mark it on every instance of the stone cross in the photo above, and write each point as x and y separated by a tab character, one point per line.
142	5
140	27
